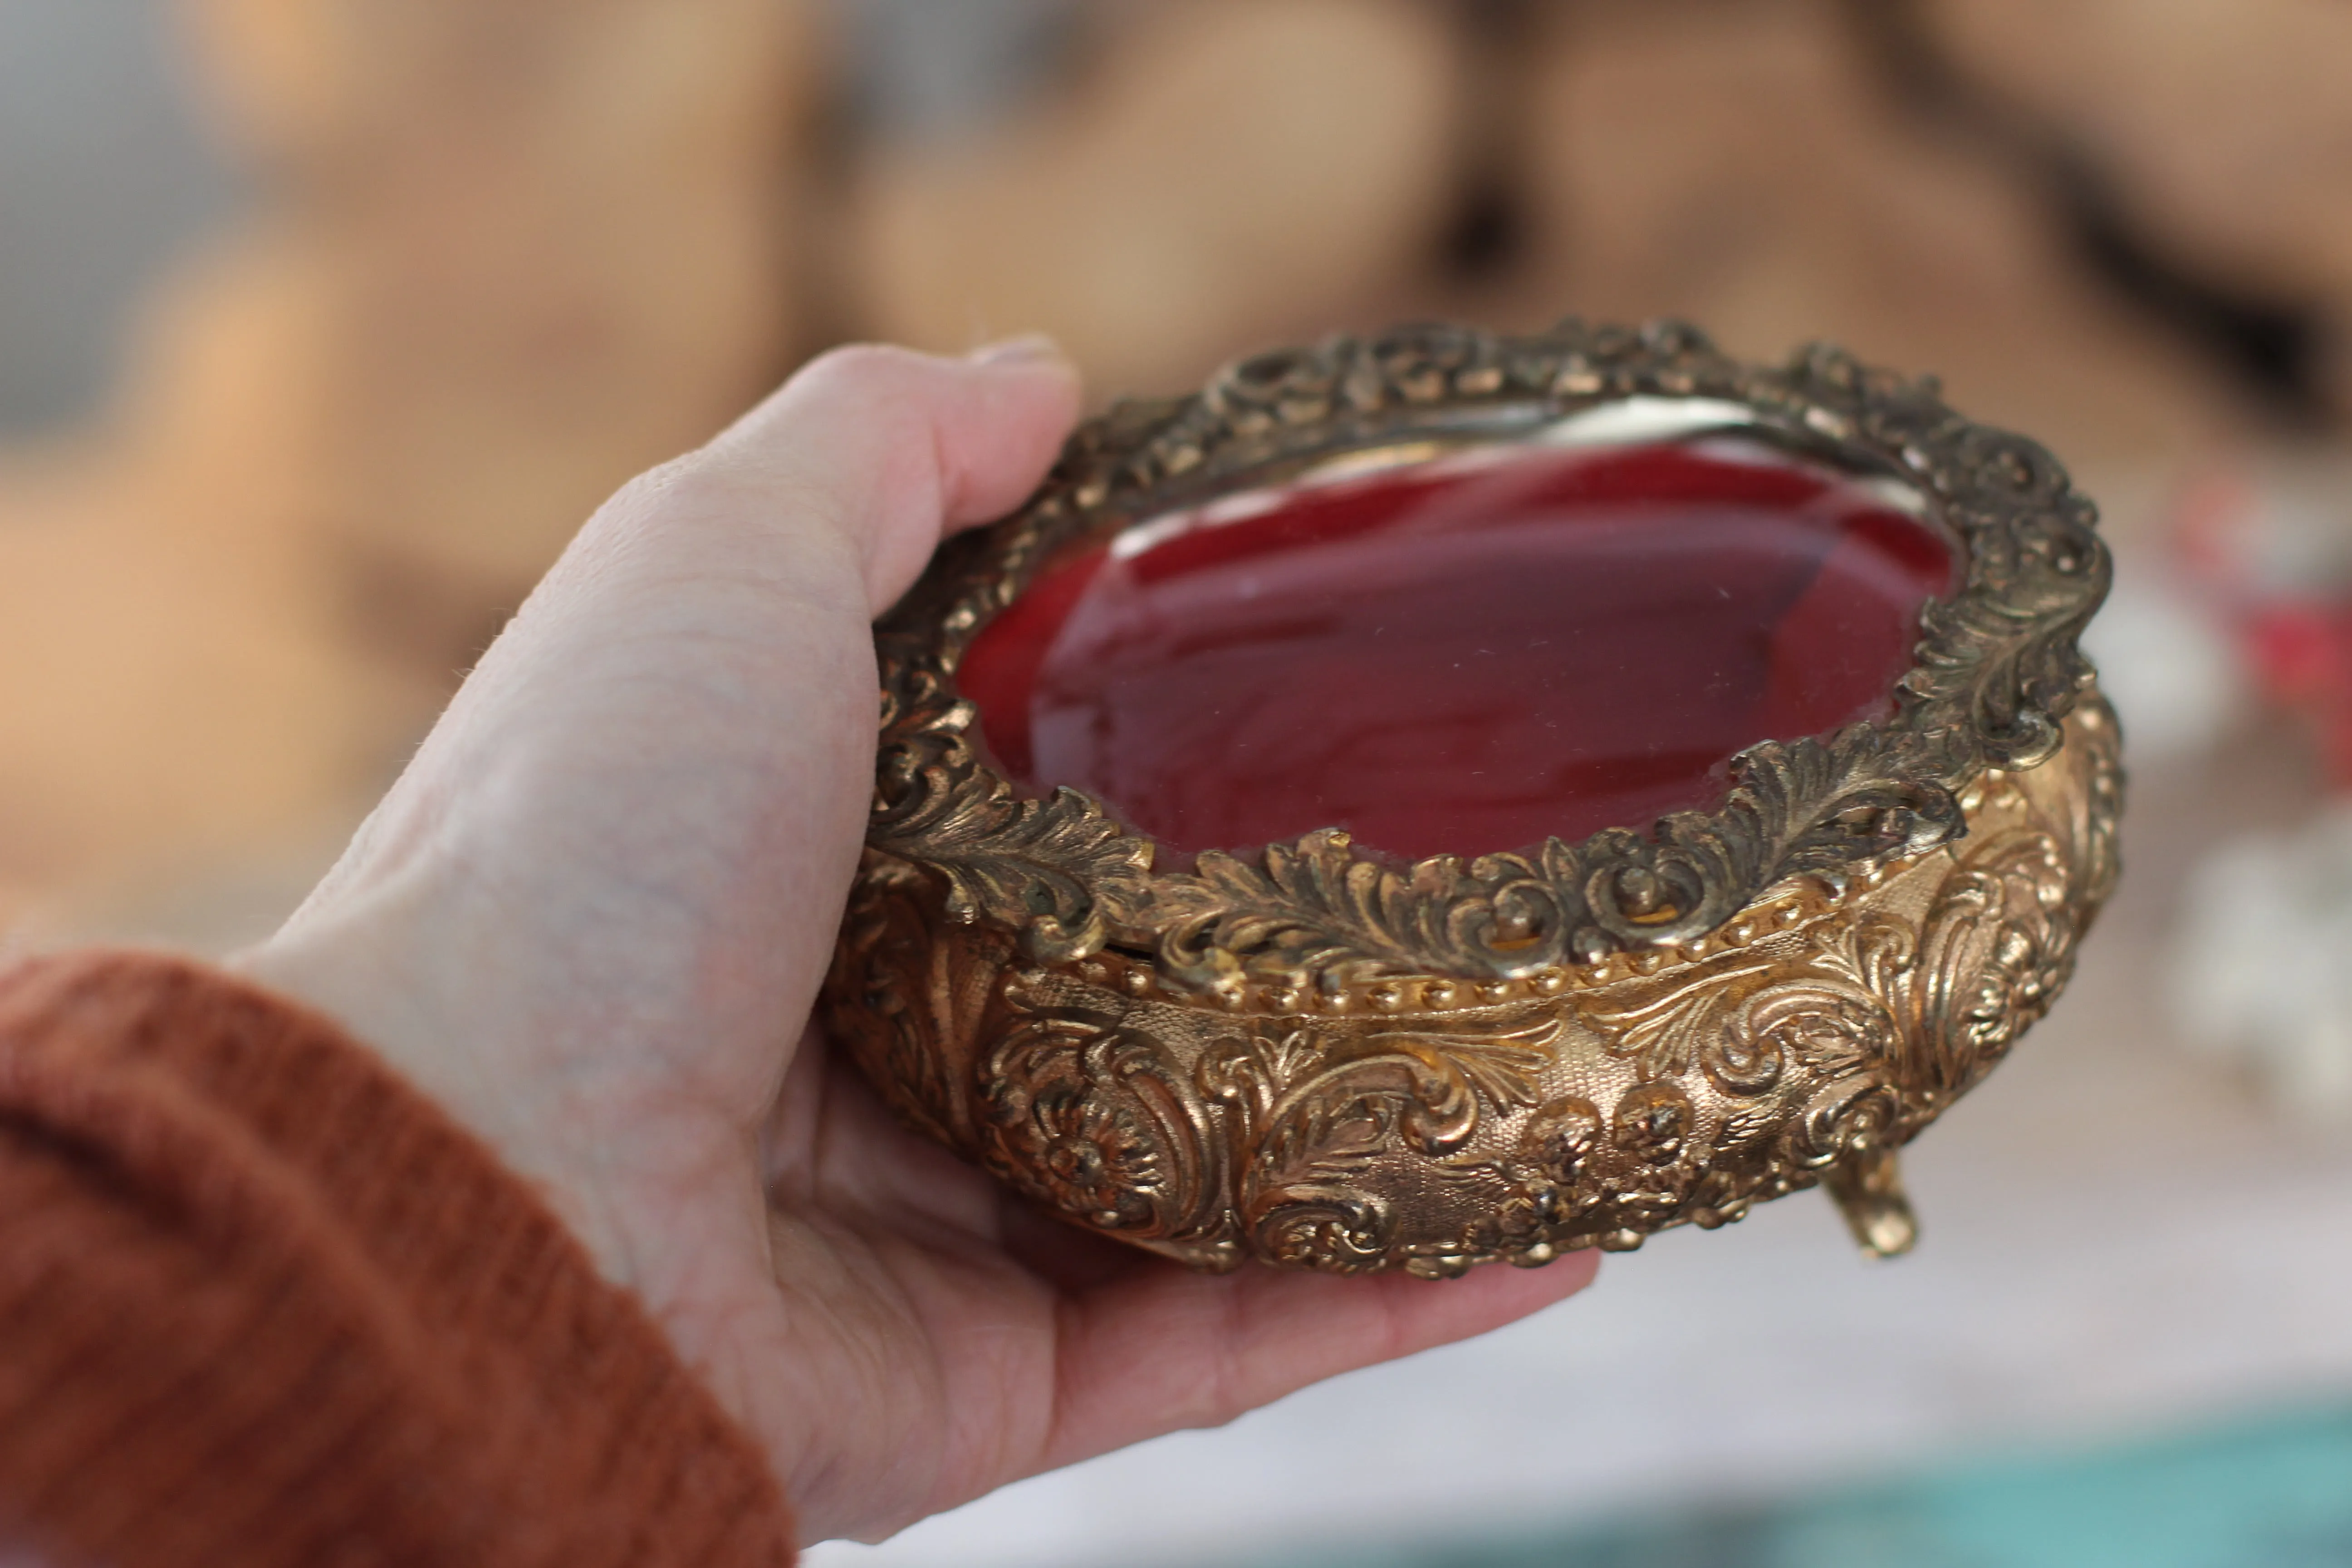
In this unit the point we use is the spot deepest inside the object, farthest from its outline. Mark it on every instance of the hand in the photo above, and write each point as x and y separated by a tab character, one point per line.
592	917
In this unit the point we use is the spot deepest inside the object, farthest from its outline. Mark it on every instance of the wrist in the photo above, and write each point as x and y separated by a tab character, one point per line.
666	1201
398	984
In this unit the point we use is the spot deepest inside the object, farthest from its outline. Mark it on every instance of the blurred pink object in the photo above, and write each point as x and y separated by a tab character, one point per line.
2267	918
2270	546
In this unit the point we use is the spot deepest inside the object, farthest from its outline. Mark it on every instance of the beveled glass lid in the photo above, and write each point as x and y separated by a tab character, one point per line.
1813	601
1465	649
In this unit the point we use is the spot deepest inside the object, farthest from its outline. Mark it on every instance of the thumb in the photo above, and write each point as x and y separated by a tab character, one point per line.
890	448
648	798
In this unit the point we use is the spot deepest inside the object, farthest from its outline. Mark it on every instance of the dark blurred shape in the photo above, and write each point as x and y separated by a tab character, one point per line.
2275	346
1489	231
1740	165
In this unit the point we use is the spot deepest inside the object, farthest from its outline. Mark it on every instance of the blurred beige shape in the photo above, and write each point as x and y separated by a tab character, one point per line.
561	240
506	253
171	686
2226	125
1234	174
1738	165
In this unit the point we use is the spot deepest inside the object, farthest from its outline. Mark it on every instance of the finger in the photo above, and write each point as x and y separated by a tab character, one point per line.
891	448
1168	1350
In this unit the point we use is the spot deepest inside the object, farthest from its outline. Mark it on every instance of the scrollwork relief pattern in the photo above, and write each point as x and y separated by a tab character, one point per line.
1997	672
1841	1052
1685	1097
1319	1057
1313	1112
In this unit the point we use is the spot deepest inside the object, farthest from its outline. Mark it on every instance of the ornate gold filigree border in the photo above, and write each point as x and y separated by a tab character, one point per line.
1998	667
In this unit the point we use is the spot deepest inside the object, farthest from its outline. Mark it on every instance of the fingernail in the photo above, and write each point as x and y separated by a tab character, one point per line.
1029	348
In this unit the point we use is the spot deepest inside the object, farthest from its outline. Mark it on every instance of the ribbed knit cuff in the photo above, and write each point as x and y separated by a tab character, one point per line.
262	1303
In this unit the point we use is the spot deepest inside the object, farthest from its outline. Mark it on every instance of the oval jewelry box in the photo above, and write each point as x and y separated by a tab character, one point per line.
1440	797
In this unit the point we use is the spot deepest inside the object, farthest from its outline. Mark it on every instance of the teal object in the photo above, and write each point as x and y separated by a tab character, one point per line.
2269	1493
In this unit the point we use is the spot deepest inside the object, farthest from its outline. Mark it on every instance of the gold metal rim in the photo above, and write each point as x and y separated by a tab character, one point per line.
1996	671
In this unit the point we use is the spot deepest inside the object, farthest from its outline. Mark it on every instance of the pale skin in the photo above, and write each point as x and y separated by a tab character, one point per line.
592	917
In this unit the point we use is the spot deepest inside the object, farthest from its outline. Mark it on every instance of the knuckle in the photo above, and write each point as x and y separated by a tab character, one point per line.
865	371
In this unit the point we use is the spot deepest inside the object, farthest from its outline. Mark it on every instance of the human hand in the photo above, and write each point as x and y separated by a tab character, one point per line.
592	917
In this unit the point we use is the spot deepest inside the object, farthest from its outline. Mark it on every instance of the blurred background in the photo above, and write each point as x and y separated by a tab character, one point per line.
324	322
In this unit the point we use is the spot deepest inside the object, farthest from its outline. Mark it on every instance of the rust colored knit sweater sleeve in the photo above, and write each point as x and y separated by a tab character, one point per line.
262	1304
